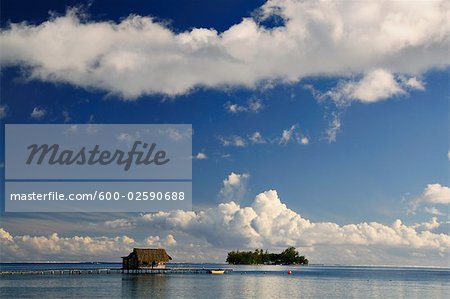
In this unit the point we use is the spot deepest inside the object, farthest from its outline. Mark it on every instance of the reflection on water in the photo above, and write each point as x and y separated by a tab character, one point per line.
269	285
144	285
245	282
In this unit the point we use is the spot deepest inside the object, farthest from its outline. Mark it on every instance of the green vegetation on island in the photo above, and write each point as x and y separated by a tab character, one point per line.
289	256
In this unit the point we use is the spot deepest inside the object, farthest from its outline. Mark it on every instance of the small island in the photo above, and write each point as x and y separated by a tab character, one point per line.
289	256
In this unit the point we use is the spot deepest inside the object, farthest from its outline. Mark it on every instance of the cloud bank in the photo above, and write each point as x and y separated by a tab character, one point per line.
266	223
139	56
76	248
269	222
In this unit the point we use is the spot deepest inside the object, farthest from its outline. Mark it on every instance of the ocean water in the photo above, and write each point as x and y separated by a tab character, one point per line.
243	282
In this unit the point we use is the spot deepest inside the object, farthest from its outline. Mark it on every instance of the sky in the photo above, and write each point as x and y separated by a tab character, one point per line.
318	124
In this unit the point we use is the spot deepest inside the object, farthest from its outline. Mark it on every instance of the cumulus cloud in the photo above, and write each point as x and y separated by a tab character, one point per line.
118	224
269	223
266	223
3	111
156	241
77	248
253	105
433	194
170	240
430	225
375	86
38	113
53	247
201	156
152	241
234	187
139	56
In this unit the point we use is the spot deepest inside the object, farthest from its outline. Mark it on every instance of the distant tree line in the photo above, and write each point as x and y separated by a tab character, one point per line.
289	256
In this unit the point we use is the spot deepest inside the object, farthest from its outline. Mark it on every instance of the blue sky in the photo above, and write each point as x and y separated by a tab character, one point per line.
392	141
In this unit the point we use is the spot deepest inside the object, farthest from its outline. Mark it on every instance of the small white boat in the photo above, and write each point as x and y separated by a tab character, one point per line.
217	271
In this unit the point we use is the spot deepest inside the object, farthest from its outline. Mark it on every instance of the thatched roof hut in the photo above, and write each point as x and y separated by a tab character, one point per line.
146	258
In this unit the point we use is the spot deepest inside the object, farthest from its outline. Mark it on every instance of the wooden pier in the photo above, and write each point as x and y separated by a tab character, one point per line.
113	271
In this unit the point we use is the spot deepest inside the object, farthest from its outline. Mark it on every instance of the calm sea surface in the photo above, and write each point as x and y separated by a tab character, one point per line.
243	282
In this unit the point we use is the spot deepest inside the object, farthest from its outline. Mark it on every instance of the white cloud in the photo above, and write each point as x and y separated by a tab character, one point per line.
290	135
430	225
76	248
257	138
414	83
152	241
140	56
201	156
374	86
233	140
433	211
38	113
156	241
170	240
253	105
268	223
3	111
433	194
234	108
333	128
293	135
287	135
52	247
234	187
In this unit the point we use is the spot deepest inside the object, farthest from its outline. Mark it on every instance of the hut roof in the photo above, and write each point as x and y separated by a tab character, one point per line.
150	254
